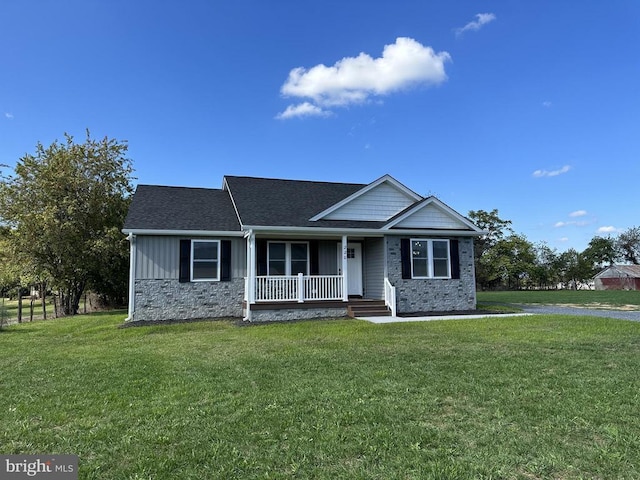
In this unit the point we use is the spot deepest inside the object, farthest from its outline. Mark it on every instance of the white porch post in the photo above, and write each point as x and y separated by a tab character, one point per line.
251	267
300	288
345	276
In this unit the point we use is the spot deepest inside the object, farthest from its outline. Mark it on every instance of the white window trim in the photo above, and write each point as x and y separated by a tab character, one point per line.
287	259
429	242
217	278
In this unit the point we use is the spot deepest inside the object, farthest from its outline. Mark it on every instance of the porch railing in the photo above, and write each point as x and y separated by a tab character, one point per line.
298	288
390	296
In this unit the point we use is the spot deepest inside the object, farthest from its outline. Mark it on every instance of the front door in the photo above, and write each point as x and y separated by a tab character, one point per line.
354	269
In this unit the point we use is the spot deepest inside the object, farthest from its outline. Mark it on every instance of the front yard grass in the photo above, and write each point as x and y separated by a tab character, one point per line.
514	398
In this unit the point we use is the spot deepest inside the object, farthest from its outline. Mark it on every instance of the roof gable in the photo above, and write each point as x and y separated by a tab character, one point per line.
378	201
431	213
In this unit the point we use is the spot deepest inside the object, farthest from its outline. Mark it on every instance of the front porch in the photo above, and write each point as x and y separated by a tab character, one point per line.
302	277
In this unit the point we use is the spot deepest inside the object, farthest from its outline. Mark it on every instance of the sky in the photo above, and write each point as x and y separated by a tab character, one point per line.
528	107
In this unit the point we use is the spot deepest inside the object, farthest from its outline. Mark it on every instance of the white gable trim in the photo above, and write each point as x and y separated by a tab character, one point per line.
384	179
442	206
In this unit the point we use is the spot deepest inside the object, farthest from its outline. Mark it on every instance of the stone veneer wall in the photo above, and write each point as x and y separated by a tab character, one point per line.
277	315
172	300
429	295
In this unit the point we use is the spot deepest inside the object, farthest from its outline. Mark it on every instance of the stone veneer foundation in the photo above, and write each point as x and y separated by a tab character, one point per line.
172	300
286	314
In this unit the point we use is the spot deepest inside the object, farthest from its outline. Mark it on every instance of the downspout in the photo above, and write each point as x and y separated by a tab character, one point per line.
132	277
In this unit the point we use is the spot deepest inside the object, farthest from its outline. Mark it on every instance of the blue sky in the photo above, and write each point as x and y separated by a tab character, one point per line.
530	107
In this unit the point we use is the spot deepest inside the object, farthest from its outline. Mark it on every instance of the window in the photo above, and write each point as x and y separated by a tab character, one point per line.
205	256
288	258
430	258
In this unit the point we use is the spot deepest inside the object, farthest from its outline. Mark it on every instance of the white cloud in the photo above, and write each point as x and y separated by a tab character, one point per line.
551	173
607	229
482	19
547	104
353	80
564	239
9	115
581	223
304	109
578	213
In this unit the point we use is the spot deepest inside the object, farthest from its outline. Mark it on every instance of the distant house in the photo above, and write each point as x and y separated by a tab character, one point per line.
272	249
618	277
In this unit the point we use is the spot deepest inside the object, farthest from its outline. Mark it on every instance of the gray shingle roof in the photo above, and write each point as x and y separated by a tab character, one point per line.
275	202
157	207
632	271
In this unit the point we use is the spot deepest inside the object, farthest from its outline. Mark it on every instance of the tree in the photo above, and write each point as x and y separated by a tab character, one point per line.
9	275
62	204
487	270
545	270
601	251
520	259
575	268
629	245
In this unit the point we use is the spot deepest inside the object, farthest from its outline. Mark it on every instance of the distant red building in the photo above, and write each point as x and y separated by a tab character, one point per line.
618	277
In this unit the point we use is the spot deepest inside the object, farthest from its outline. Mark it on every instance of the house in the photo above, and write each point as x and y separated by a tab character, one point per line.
272	249
618	277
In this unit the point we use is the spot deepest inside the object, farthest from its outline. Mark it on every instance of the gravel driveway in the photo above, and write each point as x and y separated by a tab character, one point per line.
554	309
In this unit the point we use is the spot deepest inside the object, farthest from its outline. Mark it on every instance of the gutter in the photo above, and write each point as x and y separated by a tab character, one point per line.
183	233
369	232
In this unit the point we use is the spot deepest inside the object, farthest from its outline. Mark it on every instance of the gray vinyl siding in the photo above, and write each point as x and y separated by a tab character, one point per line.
158	257
328	258
373	268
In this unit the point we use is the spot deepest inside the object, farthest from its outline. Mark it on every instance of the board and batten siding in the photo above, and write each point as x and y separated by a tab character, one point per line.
158	257
373	267
378	204
328	257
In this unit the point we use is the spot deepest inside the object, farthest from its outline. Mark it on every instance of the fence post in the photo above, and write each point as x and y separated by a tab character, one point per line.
19	303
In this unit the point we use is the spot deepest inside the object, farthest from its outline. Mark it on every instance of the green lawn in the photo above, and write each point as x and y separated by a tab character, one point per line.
543	397
611	298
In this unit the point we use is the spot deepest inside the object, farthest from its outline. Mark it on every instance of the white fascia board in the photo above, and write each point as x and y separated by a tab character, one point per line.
362	232
225	186
439	204
184	233
385	178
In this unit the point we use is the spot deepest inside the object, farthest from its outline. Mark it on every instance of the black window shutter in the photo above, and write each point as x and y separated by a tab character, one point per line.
314	268
455	258
261	256
184	273
225	260
405	257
